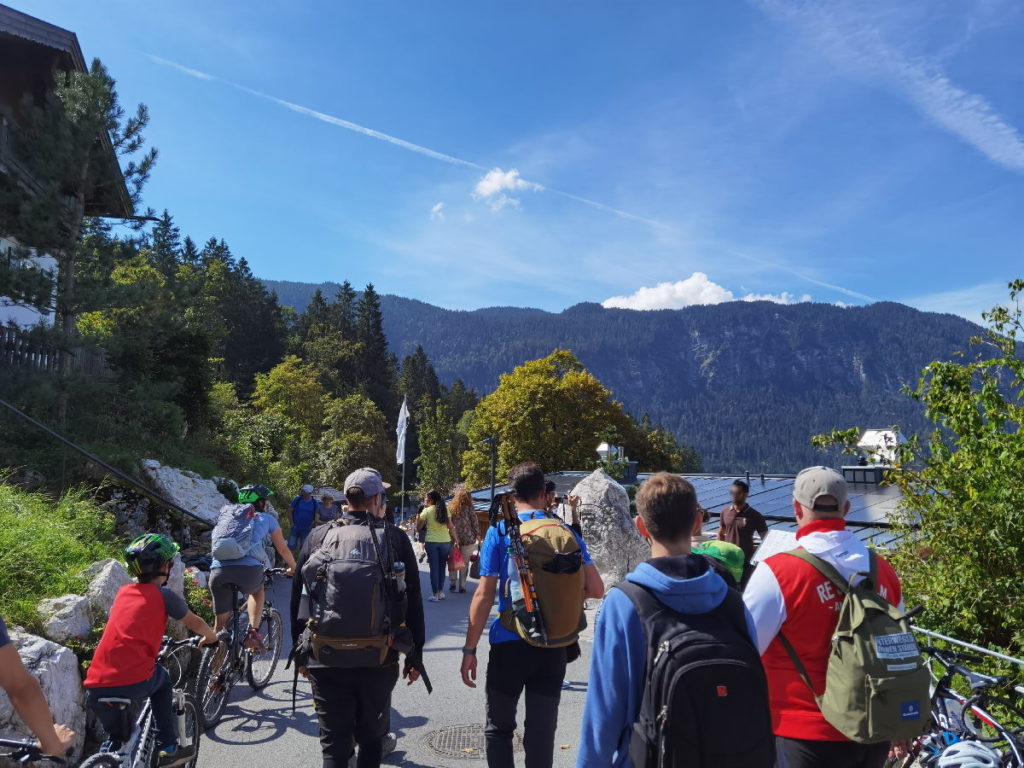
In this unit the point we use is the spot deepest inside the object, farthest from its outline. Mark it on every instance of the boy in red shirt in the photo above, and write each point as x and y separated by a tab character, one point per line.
124	665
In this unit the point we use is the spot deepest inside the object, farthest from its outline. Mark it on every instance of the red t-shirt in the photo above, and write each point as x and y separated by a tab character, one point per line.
130	644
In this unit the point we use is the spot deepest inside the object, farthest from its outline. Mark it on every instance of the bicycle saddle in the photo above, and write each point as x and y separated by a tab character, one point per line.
979	680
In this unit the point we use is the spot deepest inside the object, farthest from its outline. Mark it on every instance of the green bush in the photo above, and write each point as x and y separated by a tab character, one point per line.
44	544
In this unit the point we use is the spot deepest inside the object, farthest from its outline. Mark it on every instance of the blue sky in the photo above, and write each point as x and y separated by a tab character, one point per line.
539	153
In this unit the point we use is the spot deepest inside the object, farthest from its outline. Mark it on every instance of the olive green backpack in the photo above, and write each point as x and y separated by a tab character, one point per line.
877	683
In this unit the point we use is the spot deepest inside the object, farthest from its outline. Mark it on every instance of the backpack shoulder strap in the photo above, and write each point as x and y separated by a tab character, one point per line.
646	604
824	567
800	668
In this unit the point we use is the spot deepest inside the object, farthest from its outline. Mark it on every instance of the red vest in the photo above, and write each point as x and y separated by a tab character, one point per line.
131	641
812	612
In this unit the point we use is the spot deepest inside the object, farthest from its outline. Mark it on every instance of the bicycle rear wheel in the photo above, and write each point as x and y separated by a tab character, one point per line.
261	664
216	678
101	760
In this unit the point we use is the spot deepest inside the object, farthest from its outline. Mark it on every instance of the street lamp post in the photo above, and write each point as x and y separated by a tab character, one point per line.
493	442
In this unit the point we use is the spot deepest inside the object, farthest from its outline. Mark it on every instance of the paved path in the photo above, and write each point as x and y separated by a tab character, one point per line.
259	730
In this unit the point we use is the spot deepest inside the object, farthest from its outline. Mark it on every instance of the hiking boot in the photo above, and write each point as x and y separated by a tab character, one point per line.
462	590
176	755
390	744
451	588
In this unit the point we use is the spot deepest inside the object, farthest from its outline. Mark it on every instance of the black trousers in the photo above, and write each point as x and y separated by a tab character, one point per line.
353	705
512	668
800	753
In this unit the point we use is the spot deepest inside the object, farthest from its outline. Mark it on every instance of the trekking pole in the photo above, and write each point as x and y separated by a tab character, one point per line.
522	562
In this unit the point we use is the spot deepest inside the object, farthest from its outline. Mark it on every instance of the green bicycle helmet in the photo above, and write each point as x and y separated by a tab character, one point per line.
253	493
148	553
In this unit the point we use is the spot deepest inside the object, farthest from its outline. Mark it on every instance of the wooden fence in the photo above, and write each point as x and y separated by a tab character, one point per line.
17	350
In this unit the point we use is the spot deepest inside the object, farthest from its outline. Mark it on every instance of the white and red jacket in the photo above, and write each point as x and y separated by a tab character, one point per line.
789	595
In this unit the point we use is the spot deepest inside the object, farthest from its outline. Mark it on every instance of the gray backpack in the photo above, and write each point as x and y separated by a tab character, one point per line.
232	535
358	599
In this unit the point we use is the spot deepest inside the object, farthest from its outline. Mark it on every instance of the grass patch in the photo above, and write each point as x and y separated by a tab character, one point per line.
44	544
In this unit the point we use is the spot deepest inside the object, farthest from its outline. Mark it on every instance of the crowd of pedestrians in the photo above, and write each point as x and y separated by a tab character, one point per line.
699	659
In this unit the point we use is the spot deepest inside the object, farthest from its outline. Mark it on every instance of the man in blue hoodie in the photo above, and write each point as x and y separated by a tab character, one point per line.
683	581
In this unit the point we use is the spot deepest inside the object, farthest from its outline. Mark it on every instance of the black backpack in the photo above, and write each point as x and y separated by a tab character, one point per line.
706	700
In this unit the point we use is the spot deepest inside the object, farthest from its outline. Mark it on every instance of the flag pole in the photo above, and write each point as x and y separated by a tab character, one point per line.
403	424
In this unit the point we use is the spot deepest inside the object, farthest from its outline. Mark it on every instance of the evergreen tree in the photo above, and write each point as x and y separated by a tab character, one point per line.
460	399
165	246
375	367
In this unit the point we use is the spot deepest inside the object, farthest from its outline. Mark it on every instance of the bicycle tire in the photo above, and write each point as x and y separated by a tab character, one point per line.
102	760
217	685
193	727
259	667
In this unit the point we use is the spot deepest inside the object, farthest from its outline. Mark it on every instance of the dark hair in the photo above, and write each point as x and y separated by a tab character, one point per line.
550	487
440	509
355	495
668	505
527	481
741	484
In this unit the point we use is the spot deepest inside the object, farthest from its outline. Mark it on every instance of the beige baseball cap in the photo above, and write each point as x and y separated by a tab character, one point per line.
814	483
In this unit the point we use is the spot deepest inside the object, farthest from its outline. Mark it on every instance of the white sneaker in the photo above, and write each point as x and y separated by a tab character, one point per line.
441	595
432	599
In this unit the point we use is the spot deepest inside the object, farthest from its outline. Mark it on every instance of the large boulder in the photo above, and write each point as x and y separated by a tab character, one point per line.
56	669
105	577
65	617
195	493
608	528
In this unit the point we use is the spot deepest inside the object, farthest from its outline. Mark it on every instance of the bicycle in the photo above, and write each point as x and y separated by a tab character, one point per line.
134	744
956	718
225	665
26	751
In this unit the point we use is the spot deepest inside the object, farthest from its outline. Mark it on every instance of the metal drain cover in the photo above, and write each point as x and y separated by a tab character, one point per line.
465	742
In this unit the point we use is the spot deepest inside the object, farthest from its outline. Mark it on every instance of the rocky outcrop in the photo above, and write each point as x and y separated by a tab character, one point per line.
65	617
608	528
193	492
56	669
105	579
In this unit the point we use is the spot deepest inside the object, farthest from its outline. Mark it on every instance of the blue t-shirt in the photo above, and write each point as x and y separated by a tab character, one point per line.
494	563
5	639
303	513
264	525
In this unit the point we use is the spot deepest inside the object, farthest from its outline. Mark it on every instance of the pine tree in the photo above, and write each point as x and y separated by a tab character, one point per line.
376	367
165	246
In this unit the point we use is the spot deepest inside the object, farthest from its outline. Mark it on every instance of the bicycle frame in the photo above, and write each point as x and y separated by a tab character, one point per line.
26	751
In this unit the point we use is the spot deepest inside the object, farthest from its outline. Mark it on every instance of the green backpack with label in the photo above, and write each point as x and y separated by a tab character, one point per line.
877	683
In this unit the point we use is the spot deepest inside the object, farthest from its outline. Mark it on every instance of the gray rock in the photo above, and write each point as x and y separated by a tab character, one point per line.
56	669
106	577
187	489
608	528
65	617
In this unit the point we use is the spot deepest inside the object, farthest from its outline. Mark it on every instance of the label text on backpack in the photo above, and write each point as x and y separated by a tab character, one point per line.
897	646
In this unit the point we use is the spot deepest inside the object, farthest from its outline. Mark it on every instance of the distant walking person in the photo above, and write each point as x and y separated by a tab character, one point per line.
795	600
704	702
438	543
740	522
467	536
302	513
514	665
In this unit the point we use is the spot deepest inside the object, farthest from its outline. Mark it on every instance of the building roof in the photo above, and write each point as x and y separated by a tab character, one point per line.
111	199
872	505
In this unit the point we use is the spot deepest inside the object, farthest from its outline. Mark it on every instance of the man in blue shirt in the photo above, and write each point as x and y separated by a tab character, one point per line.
302	514
513	665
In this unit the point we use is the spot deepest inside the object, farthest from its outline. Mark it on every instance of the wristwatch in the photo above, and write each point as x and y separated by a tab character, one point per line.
469	651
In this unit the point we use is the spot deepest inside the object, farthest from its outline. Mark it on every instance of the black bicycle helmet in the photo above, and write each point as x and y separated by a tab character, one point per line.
253	493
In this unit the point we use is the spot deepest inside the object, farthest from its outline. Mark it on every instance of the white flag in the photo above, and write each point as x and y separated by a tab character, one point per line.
403	426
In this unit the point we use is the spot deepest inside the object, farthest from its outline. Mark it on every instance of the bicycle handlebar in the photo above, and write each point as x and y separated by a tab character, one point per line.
26	751
276	571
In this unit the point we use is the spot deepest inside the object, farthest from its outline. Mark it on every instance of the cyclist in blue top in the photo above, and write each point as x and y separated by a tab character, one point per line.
246	573
512	664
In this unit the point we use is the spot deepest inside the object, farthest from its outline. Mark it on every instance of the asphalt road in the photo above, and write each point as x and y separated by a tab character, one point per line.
259	730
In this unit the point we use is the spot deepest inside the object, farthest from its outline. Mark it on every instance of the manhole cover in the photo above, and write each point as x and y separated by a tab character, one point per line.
464	741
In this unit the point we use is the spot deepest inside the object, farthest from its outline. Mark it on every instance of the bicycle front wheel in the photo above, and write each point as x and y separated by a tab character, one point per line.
215	680
193	728
263	661
102	760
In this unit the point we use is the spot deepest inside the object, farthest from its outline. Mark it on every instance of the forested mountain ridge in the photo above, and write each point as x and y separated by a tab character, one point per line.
745	383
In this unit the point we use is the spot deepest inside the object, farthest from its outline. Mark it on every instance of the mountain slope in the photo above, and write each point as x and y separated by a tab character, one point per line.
746	383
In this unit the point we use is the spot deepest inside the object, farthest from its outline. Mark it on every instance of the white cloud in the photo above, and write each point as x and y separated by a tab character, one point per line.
437	212
855	44
494	185
697	289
